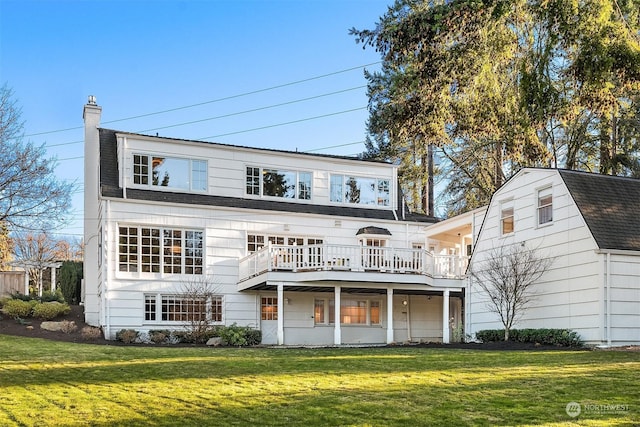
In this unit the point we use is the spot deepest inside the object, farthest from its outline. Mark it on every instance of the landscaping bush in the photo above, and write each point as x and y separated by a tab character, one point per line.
559	337
17	308
127	336
196	337
240	335
49	296
50	310
90	333
159	336
68	326
21	297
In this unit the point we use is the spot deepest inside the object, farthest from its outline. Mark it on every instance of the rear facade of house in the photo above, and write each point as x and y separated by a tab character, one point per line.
309	249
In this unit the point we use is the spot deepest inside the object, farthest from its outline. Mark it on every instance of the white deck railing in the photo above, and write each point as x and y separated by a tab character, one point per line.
351	258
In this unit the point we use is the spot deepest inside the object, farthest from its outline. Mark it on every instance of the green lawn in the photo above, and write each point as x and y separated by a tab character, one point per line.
52	383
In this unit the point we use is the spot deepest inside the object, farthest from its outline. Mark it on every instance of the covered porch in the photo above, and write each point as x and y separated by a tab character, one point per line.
342	312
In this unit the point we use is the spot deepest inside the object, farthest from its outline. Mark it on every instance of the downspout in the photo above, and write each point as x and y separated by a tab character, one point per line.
106	271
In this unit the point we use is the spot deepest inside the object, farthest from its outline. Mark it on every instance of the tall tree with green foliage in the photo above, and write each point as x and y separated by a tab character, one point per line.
498	85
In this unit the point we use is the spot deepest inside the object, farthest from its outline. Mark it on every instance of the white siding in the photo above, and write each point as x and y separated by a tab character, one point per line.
568	294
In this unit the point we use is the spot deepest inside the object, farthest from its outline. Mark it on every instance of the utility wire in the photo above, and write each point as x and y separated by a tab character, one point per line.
213	100
283	124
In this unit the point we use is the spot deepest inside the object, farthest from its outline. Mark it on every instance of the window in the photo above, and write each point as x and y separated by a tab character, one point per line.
178	308
287	184
253	181
269	308
170	172
359	190
353	312
155	250
361	311
545	206
319	311
506	220
255	242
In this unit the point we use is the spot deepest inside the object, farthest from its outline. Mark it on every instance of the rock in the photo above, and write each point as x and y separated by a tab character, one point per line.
51	326
29	327
214	342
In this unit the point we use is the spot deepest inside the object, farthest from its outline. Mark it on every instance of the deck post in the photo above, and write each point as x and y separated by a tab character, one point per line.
337	332
389	316
445	316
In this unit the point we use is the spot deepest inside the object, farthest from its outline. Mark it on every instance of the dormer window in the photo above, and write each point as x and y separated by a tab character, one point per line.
170	172
287	184
360	191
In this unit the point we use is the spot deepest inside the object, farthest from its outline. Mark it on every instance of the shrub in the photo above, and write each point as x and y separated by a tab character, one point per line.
240	335
197	337
91	333
49	296
21	297
68	326
17	308
127	336
159	336
50	310
559	337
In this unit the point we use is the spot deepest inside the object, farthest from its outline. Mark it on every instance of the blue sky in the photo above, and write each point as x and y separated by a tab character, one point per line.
274	74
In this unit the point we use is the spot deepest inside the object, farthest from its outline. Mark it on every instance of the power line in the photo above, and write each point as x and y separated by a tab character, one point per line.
213	100
283	124
237	113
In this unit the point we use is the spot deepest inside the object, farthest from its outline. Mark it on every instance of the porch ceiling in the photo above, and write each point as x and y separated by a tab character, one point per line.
353	290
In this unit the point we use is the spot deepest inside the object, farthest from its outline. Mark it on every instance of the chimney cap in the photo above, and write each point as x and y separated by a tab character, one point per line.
92	100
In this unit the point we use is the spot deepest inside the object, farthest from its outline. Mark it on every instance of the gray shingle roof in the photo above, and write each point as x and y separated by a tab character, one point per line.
110	188
610	206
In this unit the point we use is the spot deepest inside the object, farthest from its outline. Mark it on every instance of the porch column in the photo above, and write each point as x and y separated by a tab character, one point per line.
389	316
445	316
280	313
337	332
53	279
26	281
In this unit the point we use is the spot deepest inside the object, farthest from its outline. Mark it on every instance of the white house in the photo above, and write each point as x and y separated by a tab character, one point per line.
319	249
311	249
588	224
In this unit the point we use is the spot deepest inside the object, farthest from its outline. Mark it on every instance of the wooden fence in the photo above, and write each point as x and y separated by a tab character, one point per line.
11	282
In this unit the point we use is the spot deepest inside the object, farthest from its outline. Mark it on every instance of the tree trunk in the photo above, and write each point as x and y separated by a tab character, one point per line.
506	334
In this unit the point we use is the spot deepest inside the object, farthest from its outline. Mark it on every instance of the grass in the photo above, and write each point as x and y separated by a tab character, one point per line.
46	383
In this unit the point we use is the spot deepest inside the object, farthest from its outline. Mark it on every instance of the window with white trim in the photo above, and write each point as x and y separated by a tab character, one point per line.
170	172
155	250
269	308
545	206
360	190
255	242
507	223
179	308
353	311
282	183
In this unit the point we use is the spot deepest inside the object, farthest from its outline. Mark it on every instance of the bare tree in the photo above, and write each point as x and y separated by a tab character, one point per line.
30	195
508	276
35	253
203	301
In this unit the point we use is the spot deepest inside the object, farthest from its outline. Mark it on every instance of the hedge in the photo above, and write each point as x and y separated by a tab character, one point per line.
559	337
